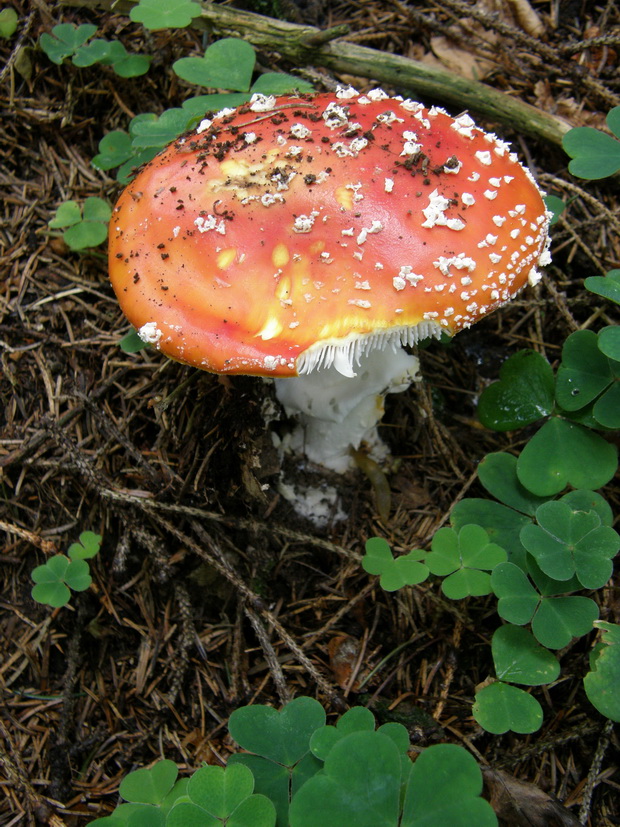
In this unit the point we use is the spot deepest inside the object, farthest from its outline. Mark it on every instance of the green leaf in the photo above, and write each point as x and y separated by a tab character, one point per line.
357	719
518	599
406	570
556	206
199	105
465	557
114	149
518	658
8	22
560	619
96	209
279	83
159	132
50	587
98	50
77	575
282	736
132	66
67	214
87	230
584	372
276	782
602	682
607	286
65	40
127	171
546	585
219	791
500	707
613	120
132	343
467	582
445	788
85	234
227	64
498	473
609	345
584	500
501	523
523	394
562	453
132	815
567	542
87	547
186	814
359	785
255	811
149	786
595	154
173	14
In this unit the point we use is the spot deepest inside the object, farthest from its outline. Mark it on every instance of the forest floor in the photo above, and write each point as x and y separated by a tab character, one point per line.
173	467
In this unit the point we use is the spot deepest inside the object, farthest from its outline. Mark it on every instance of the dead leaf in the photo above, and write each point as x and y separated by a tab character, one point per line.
343	653
521	804
527	18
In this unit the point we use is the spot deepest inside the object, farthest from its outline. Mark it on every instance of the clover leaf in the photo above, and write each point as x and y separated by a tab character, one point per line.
569	542
406	570
280	740
587	374
609	344
518	658
523	394
227	64
464	559
555	620
500	707
86	227
498	473
8	22
445	788
279	83
173	14
607	286
55	579
112	53
356	719
359	784
564	453
149	786
595	154
114	149
217	795
160	130
87	547
65	40
602	682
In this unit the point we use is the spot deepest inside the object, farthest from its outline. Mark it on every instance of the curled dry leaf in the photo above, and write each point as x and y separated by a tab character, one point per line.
521	804
343	654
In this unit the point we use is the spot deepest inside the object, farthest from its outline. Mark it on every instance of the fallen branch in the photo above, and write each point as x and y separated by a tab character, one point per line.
305	45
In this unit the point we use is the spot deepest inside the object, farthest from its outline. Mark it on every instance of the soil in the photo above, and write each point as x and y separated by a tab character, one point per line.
209	592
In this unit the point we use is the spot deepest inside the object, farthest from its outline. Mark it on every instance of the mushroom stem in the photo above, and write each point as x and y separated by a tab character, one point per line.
337	412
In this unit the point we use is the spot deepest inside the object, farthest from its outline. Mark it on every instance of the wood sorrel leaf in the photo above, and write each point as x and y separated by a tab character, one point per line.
518	658
501	707
523	394
562	453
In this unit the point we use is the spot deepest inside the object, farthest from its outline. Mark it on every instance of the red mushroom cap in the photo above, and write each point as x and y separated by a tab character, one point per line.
297	231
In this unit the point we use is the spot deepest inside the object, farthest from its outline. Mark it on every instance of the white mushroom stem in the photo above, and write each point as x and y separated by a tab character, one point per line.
337	412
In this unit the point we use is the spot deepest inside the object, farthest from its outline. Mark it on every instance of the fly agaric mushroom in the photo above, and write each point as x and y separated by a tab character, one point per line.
309	238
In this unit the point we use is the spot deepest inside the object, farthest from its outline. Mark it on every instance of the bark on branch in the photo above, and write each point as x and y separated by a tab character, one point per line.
307	45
